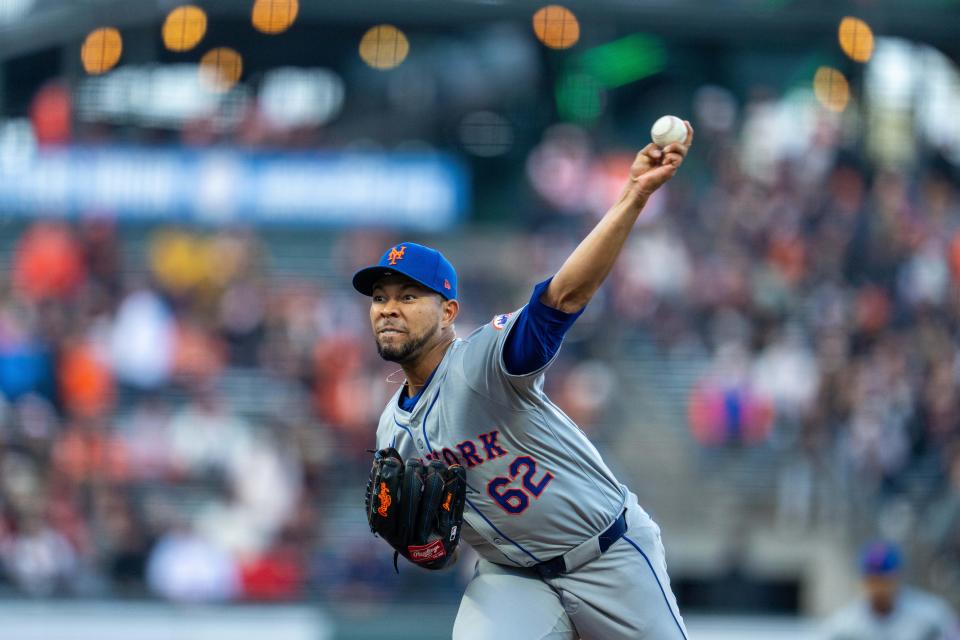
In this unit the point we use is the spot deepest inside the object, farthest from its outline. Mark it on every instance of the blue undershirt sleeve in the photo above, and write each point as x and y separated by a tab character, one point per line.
536	335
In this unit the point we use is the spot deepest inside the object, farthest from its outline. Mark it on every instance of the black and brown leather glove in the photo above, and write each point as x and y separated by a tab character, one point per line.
416	508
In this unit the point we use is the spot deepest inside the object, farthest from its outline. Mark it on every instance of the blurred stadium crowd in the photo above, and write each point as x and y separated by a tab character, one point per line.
185	411
180	420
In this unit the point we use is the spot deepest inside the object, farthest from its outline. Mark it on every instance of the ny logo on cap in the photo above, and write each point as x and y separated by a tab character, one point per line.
396	254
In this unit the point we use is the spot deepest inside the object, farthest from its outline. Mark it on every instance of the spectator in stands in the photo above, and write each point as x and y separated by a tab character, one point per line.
36	557
186	567
48	263
142	340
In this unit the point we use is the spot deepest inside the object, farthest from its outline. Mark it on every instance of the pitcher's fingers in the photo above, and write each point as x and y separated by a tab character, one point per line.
674	154
677	148
651	152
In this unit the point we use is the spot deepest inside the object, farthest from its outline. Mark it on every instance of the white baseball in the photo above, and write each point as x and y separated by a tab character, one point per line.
667	130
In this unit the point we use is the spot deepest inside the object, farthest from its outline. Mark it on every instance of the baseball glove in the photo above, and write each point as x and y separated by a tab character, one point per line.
416	508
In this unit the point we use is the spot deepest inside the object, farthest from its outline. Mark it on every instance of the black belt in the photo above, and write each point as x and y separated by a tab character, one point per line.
554	567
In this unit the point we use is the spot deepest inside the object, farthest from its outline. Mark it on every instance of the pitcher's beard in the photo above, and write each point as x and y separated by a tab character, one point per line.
404	352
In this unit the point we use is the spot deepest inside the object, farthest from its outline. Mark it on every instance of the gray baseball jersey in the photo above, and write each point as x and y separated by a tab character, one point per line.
536	485
916	616
536	488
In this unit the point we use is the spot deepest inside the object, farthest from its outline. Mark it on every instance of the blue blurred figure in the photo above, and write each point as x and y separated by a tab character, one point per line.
888	610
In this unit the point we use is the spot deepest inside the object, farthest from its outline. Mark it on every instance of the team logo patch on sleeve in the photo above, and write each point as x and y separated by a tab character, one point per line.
500	321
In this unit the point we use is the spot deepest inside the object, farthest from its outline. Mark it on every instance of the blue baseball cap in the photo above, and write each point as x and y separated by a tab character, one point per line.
880	558
421	264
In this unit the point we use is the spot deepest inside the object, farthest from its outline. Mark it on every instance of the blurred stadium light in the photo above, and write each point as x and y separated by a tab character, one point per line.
46	22
101	50
624	60
486	134
556	27
384	47
184	28
221	68
274	16
856	39
292	97
831	88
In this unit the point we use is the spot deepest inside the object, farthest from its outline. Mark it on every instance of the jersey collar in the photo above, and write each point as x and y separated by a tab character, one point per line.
431	386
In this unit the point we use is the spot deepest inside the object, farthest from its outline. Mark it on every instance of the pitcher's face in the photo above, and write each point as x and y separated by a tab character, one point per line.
405	316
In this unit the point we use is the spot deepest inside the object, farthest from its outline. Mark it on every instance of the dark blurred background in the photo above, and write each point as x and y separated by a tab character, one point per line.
188	384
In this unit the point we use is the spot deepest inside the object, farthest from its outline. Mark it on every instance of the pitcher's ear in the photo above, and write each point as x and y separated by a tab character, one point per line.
451	309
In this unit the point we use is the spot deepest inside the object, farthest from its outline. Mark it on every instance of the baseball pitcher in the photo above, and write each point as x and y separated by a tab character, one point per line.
471	447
